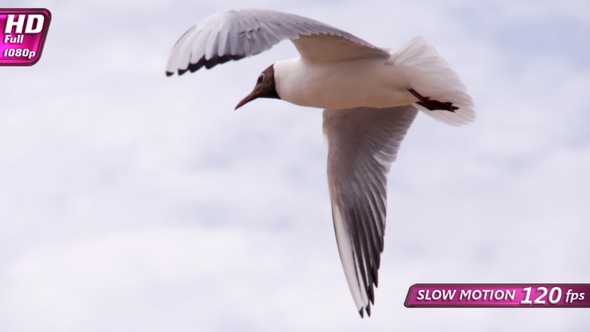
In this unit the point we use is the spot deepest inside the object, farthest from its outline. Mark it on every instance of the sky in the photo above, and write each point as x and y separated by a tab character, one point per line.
134	201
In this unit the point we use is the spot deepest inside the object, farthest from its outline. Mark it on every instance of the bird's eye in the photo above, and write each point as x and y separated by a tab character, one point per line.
260	78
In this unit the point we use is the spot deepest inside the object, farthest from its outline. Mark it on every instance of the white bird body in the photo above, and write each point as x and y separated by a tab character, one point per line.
369	96
364	82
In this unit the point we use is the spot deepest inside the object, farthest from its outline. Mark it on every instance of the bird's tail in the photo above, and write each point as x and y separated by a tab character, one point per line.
431	76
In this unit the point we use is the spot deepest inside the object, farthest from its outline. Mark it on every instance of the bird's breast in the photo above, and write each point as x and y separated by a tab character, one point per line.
343	84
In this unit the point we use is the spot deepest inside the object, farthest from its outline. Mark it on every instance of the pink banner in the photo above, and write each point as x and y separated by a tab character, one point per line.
499	295
22	35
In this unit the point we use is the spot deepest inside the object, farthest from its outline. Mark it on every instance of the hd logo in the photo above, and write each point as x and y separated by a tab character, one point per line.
22	35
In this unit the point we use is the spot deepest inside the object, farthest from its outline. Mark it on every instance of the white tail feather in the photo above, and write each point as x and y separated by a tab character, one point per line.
431	76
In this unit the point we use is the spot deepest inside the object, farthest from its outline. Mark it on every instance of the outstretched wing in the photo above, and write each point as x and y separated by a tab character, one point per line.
362	145
232	35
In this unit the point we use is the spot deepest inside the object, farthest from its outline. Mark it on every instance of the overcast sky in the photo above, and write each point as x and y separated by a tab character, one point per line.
131	201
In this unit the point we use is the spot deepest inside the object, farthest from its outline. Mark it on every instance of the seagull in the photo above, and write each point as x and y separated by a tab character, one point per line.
370	98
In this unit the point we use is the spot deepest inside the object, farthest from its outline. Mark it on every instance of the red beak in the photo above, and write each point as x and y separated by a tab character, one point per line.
246	100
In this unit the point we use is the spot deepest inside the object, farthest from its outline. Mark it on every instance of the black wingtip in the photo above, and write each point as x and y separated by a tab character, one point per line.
366	309
207	63
371	294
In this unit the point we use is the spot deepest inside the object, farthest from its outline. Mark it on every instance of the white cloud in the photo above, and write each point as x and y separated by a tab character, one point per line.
134	201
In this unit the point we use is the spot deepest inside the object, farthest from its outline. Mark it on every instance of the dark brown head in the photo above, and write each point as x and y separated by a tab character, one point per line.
265	87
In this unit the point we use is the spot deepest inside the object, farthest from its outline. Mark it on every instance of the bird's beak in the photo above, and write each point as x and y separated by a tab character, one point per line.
246	100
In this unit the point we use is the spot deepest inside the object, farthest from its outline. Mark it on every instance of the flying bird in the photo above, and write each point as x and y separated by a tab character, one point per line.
370	98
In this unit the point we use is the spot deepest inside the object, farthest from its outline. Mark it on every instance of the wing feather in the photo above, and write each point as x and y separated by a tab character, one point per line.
362	145
233	35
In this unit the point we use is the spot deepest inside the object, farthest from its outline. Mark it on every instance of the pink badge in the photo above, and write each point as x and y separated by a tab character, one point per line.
499	295
22	35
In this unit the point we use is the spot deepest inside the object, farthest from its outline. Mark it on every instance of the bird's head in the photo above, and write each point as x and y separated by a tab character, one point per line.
265	87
